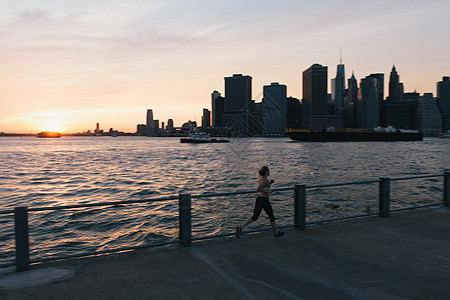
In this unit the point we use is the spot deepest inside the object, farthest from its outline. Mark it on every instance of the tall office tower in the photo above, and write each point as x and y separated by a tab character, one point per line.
217	106
255	115
97	128
156	126
238	100
341	70
294	113
372	95
150	123
338	88
428	117
352	94
169	125
274	109
162	125
206	118
443	94
351	103
395	86
315	98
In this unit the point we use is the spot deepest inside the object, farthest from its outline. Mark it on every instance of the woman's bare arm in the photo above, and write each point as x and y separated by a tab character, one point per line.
262	187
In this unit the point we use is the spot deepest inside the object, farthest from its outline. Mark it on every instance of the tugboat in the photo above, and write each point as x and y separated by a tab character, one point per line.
48	134
201	137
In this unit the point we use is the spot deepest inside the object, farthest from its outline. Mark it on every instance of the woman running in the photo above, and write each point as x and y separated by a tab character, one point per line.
262	202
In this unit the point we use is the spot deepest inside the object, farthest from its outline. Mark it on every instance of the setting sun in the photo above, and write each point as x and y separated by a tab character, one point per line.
51	125
49	121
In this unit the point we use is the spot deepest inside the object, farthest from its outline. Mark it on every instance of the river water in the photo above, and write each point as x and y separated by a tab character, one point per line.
74	170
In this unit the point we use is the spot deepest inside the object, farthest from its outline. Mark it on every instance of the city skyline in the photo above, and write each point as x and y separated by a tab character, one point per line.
72	65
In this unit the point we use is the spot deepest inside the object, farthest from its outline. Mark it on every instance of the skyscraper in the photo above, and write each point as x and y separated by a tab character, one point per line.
315	97
338	89
443	95
169	125
217	106
294	113
206	118
150	123
238	99
395	86
372	95
398	111
156	127
238	93
351	103
352	94
274	109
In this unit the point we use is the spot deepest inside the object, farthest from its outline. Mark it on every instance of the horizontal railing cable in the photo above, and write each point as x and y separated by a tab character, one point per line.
222	194
207	195
342	184
415	177
111	203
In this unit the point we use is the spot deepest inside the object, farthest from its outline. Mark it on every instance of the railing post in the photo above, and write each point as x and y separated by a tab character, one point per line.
384	197
185	219
300	206
447	188
22	242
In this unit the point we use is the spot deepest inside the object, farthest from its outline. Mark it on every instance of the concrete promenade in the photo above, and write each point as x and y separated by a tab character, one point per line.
405	256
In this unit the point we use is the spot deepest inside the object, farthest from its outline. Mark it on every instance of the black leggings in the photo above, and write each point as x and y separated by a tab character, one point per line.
260	204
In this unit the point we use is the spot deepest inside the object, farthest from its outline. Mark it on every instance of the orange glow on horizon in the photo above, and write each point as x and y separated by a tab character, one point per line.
48	121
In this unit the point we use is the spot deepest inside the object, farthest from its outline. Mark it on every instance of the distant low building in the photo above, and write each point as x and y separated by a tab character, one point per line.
141	129
189	124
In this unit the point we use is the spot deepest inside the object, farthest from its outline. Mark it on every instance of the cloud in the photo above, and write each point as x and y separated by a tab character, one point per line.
33	16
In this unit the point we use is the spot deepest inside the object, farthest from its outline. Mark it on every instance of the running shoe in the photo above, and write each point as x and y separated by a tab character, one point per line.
238	231
279	234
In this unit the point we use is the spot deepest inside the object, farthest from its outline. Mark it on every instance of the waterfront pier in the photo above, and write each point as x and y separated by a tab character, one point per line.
388	254
404	256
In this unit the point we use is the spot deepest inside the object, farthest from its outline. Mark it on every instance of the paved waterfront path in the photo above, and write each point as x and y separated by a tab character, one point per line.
405	256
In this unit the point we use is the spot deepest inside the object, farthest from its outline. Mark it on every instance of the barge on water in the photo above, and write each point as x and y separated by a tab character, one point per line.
354	135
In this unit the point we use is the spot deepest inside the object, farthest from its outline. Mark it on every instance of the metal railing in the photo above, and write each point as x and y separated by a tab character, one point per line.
23	261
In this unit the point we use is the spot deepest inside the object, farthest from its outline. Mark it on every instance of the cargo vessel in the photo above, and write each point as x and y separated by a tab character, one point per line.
354	135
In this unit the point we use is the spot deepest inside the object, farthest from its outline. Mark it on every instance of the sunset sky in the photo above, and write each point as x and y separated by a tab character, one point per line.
65	65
